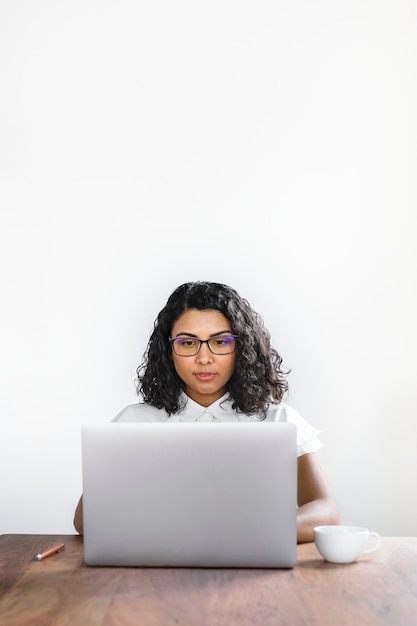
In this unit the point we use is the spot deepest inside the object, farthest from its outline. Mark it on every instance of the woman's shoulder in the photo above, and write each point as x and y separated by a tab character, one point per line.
282	412
141	412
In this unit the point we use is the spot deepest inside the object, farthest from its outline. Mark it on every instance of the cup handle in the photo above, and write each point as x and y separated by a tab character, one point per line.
377	543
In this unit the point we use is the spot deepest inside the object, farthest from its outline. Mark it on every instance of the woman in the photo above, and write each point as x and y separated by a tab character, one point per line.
210	358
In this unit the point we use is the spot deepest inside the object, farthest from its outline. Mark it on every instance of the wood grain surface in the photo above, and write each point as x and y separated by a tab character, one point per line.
380	589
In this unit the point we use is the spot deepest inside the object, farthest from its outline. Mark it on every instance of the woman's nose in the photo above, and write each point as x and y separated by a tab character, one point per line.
204	355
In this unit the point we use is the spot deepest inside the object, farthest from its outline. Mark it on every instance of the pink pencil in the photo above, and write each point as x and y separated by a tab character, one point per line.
53	550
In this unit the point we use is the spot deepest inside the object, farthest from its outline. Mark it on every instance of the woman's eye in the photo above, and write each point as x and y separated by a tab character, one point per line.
223	341
187	343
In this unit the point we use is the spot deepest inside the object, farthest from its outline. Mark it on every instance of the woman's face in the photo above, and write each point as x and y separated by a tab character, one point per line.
205	375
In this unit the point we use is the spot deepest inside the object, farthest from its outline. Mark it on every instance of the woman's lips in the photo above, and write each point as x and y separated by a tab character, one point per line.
205	376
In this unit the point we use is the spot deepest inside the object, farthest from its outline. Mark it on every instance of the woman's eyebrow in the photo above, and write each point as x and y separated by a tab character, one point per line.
220	332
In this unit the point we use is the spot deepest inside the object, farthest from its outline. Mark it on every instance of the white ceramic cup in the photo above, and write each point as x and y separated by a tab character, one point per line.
344	544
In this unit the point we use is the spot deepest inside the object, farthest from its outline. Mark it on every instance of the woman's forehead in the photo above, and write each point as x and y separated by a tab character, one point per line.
195	322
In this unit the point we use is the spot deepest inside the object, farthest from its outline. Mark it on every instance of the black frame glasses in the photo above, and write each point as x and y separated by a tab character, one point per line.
193	350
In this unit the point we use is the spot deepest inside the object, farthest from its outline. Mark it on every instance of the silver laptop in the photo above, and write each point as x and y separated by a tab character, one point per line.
190	494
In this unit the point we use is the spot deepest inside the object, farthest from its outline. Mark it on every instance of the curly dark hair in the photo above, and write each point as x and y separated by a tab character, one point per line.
258	379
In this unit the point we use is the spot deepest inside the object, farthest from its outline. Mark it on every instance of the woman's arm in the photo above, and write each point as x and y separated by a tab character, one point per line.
316	503
78	517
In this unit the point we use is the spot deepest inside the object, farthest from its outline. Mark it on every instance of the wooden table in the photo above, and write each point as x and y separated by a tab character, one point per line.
380	588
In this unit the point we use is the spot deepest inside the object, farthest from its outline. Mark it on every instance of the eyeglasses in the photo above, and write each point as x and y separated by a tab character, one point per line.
190	346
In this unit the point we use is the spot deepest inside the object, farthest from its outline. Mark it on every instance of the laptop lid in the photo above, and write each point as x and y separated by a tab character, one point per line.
190	494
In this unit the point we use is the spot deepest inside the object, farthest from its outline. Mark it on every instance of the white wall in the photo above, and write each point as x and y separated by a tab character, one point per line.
282	137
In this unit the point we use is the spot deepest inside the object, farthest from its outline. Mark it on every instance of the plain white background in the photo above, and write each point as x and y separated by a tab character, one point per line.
270	145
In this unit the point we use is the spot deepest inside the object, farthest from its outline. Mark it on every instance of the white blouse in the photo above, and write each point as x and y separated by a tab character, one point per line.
221	411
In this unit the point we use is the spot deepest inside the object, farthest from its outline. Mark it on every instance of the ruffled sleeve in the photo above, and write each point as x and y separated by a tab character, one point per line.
307	435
